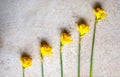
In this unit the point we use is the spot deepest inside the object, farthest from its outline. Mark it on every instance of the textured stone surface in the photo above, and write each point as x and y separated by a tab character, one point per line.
23	23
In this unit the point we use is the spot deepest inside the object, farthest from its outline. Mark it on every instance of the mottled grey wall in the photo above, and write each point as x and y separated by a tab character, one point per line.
23	23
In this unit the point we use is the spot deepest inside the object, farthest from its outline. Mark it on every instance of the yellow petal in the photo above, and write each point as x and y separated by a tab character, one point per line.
45	49
83	29
99	13
65	38
26	61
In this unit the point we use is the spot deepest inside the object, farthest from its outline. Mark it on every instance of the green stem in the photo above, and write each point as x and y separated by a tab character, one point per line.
42	66
79	48
61	64
92	51
23	71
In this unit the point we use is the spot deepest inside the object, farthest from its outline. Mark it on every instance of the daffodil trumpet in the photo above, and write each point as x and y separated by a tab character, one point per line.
45	51
99	15
83	29
65	38
26	61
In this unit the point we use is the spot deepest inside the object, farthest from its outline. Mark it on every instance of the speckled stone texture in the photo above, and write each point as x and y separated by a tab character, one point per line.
23	23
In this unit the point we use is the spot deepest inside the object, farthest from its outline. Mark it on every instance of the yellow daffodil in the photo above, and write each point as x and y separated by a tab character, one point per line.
99	13
26	61
65	38
45	49
83	29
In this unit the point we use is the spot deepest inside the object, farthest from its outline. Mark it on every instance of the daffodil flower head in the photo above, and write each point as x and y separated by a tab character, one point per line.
45	49
83	29
65	38
99	13
26	60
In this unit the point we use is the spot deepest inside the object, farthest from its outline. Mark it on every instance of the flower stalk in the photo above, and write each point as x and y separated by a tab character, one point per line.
92	53
79	53
42	66
61	60
23	71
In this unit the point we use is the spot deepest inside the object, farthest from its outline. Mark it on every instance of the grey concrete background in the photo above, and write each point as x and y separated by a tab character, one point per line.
23	23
